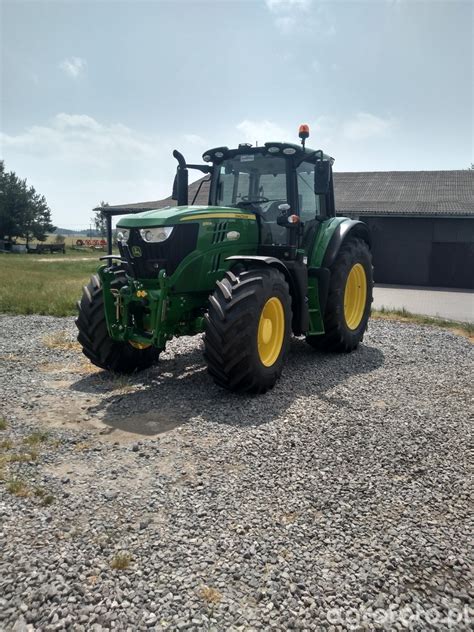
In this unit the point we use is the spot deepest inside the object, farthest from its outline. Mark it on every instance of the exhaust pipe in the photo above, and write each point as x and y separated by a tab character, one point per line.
180	184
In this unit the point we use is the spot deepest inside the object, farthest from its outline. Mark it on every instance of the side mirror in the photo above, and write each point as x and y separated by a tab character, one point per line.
322	175
282	219
286	217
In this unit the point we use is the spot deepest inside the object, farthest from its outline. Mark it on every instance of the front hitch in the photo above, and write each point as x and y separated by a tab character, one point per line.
135	312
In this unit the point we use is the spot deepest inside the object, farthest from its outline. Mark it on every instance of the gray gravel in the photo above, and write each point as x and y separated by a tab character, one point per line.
340	500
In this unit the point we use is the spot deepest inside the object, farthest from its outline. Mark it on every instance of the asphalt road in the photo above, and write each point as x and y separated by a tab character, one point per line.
439	302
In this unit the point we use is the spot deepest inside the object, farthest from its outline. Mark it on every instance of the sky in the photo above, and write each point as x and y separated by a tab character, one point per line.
96	95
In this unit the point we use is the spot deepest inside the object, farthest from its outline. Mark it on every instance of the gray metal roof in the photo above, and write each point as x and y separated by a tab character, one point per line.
412	193
389	193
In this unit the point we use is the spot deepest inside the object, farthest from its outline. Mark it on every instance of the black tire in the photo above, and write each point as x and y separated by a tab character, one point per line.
232	328
119	357
338	336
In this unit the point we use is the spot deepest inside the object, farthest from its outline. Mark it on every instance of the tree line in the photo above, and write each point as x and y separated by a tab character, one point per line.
24	213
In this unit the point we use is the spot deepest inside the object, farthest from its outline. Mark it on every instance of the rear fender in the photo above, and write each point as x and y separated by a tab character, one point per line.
346	229
331	235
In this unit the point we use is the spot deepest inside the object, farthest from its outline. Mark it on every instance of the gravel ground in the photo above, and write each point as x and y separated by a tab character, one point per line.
340	500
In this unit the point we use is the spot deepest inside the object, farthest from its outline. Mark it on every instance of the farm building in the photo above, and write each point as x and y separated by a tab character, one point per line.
422	222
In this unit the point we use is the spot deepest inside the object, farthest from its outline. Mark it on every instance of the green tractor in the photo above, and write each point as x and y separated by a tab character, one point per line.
265	259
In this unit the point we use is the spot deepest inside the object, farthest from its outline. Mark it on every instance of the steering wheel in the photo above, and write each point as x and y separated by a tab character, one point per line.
246	199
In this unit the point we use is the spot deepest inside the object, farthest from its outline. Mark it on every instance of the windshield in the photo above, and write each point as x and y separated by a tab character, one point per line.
256	182
251	178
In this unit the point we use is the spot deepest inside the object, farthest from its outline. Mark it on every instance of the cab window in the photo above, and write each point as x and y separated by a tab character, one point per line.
273	186
308	201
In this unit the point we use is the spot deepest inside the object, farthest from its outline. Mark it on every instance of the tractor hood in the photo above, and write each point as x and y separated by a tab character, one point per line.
174	215
196	237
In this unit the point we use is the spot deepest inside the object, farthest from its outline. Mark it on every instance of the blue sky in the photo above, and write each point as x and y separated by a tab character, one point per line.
96	95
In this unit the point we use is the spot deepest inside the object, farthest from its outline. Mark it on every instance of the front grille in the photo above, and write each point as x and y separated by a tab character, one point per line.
215	263
219	233
148	259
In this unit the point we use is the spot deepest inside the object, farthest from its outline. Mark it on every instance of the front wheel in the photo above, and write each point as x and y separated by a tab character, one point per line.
119	357
248	329
349	299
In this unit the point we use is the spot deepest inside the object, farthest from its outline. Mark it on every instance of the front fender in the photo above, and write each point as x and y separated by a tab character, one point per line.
297	278
270	261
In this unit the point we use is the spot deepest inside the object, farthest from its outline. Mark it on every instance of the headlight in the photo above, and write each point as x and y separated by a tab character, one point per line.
156	235
123	235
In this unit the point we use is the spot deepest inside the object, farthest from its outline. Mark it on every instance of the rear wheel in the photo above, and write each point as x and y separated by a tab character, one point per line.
120	357
349	299
248	328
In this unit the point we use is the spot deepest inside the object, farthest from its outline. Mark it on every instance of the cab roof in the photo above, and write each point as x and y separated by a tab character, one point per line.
217	154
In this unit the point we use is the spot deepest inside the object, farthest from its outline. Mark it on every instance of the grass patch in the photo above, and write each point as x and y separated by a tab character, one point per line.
18	487
121	561
80	447
48	499
122	383
61	340
6	445
210	595
45	497
23	457
463	329
36	437
3	424
31	285
84	366
10	452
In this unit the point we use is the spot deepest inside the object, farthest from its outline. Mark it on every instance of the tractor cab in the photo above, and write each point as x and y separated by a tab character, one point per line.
276	181
289	188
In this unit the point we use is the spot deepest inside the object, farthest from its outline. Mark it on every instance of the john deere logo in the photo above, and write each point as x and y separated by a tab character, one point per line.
136	251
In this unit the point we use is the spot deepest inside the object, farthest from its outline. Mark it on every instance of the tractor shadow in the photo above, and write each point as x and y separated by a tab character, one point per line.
178	389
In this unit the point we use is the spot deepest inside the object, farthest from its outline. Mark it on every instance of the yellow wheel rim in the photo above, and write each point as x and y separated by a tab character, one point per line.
271	330
355	296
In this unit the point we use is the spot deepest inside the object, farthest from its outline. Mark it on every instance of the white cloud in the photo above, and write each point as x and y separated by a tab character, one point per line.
76	160
365	125
73	66
76	121
286	5
78	138
261	131
195	139
286	24
290	16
